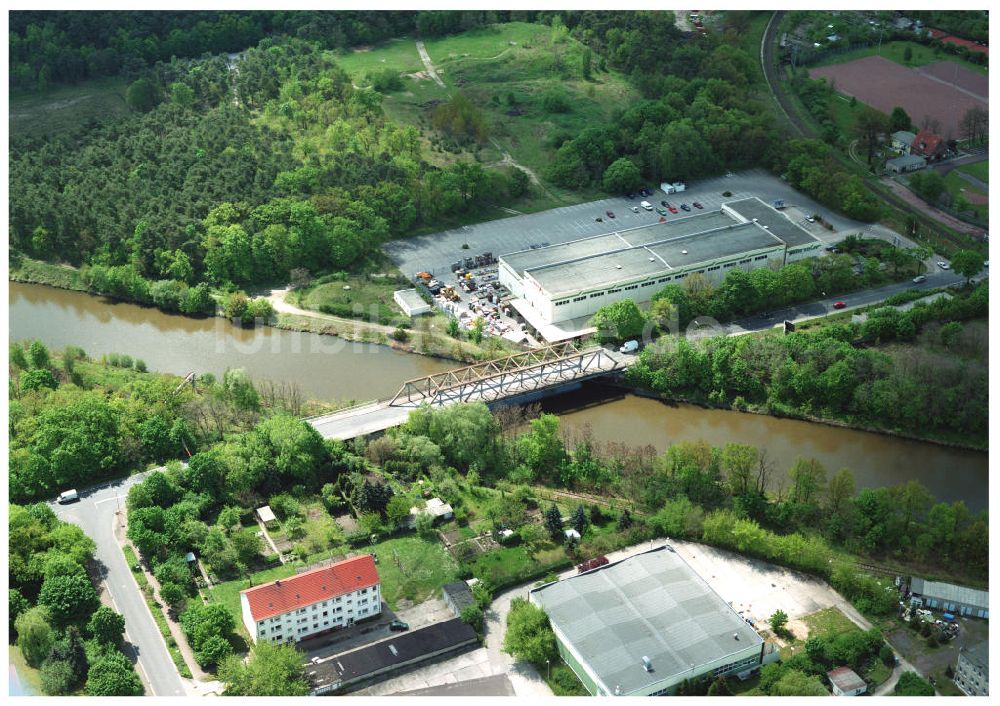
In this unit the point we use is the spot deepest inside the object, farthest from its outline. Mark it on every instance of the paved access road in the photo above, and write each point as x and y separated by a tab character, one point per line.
855	300
95	513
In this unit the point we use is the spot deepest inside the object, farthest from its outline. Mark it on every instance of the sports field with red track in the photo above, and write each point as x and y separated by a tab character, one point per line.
928	91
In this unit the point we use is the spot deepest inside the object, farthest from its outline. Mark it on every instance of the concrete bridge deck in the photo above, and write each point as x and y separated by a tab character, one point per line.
538	372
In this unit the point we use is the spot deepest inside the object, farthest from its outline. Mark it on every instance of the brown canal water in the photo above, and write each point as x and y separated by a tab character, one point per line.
875	459
330	368
323	367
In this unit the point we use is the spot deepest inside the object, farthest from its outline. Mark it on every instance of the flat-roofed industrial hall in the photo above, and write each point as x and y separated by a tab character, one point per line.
570	281
642	625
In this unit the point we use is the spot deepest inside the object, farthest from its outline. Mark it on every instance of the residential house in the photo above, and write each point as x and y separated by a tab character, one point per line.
313	602
927	144
902	140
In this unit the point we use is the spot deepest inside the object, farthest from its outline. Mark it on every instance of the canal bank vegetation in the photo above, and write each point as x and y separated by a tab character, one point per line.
56	618
921	372
75	421
515	483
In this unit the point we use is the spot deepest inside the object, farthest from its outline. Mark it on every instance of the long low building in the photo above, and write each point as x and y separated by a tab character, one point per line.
643	625
350	669
572	280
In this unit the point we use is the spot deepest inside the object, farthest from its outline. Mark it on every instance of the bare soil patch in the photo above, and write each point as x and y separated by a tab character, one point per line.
960	76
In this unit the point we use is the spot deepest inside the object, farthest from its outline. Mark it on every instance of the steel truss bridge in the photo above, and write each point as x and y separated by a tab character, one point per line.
508	377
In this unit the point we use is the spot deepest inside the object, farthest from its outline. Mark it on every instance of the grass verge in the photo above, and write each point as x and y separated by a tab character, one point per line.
24	269
896	51
157	611
30	678
65	107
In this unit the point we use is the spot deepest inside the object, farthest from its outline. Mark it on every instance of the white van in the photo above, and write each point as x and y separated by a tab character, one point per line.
647	205
68	496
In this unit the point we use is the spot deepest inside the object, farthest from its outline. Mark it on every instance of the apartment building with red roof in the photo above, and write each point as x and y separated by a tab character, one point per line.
313	602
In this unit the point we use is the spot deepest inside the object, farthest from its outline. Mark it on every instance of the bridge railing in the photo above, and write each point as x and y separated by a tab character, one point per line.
490	380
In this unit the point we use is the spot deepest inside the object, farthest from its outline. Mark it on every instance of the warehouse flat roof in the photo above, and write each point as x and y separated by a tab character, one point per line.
542	257
688	225
629	264
358	664
776	222
597	271
950	592
649	605
702	247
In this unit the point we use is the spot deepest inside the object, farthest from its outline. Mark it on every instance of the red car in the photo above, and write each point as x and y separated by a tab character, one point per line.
671	209
696	204
839	305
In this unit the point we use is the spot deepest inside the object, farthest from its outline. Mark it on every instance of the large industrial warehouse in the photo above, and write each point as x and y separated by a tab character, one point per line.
569	282
642	625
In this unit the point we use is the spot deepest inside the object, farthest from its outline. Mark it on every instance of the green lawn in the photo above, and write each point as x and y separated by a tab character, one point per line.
957	186
413	569
980	170
400	54
65	107
512	565
228	592
894	51
827	622
353	297
31	678
877	673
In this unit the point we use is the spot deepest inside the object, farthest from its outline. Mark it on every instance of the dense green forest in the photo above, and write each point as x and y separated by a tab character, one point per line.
56	618
198	189
934	384
75	421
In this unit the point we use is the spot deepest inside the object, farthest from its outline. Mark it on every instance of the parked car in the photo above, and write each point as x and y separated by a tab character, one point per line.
610	214
696	204
635	209
811	219
647	205
664	204
685	207
68	496
671	209
918	279
662	211
839	305
398	626
944	265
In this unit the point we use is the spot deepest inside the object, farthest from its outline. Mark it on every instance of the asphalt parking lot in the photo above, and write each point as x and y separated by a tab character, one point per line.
435	252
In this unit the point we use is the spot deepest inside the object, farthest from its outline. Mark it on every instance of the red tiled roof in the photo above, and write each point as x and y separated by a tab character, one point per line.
289	594
950	39
925	143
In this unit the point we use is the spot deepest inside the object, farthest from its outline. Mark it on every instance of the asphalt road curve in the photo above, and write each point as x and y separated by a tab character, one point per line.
95	513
